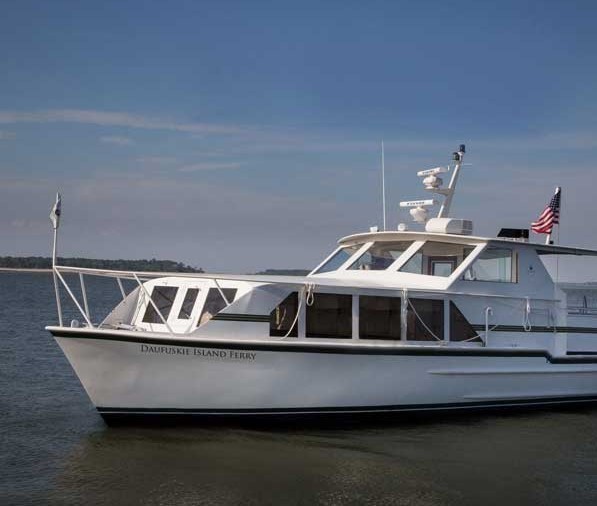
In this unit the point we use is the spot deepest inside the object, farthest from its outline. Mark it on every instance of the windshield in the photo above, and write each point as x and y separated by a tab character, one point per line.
437	259
338	259
380	256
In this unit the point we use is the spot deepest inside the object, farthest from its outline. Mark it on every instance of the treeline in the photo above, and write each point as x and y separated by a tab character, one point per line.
152	265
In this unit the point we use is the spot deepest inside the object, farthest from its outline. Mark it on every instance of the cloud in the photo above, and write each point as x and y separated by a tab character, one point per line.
4	135
195	167
113	118
261	140
114	139
157	160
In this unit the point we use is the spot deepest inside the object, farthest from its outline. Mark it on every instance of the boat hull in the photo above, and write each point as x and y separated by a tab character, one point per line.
128	376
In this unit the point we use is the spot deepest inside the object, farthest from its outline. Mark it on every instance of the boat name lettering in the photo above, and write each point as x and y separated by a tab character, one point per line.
198	352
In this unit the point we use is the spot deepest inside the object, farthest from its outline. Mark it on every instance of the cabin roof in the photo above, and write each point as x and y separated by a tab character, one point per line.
389	236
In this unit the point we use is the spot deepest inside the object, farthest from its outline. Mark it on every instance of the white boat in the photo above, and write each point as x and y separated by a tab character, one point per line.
391	321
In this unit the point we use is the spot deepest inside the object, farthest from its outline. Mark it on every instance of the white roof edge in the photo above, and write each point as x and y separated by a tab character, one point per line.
461	239
412	235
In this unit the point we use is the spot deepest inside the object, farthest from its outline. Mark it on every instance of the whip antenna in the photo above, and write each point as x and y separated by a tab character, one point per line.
383	186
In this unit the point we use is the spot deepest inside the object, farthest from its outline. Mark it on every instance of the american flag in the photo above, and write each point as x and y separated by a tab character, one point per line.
550	216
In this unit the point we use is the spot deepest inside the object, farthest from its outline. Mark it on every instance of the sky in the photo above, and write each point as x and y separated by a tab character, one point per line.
240	136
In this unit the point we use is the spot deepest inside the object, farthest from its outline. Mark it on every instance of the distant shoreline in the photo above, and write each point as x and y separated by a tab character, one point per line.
18	269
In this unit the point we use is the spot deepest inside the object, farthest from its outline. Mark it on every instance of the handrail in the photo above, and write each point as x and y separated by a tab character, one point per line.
282	280
139	276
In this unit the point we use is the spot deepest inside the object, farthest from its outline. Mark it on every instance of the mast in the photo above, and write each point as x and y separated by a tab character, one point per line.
449	192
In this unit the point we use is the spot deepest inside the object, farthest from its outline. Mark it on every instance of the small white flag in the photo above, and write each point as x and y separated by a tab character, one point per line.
55	213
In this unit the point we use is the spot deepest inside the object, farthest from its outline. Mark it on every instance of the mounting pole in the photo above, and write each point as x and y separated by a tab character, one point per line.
457	157
548	238
55	219
383	186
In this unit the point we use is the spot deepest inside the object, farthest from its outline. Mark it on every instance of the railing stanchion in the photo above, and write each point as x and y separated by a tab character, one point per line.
221	292
488	313
119	281
84	292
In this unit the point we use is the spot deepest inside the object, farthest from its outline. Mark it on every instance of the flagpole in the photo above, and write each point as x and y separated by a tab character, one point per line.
56	289
55	218
558	192
559	215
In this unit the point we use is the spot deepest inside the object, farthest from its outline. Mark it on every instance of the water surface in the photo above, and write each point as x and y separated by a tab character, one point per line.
55	449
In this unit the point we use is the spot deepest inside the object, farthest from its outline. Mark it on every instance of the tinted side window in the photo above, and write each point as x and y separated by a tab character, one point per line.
379	317
431	312
460	328
215	303
283	316
163	297
330	316
188	304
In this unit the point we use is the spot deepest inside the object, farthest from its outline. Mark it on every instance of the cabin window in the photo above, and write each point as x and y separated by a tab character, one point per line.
437	259
425	320
163	297
580	301
460	328
188	304
379	317
380	256
283	316
330	316
215	303
493	264
341	256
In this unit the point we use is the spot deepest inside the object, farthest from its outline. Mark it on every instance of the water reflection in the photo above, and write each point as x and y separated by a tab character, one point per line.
520	458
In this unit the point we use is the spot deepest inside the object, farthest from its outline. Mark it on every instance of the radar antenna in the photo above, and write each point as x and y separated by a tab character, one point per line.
442	223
